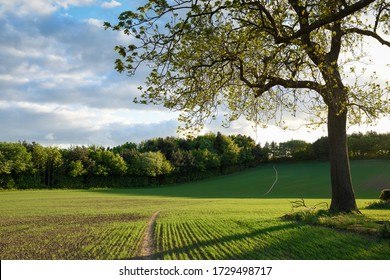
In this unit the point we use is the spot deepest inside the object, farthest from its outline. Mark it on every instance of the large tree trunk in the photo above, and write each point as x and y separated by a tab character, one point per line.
343	196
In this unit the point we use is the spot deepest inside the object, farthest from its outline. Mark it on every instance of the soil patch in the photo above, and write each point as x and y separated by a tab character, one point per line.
147	249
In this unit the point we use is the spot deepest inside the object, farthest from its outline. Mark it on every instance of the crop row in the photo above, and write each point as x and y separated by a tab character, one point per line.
97	226
210	238
108	240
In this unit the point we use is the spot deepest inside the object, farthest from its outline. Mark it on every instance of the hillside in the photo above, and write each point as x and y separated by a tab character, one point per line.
225	217
295	180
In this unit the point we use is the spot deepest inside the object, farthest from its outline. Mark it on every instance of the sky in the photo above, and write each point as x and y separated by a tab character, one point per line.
58	86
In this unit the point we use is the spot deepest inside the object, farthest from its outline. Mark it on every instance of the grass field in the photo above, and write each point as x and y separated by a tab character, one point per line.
221	218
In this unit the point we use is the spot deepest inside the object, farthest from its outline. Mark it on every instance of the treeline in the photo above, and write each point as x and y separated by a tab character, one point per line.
160	161
360	146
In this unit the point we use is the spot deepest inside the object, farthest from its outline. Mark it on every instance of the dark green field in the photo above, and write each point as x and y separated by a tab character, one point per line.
295	180
221	218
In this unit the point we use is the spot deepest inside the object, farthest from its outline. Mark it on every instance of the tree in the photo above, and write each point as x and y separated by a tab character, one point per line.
154	164
14	158
260	59
14	161
320	148
183	162
107	163
296	149
247	147
205	160
82	154
54	161
227	150
76	168
39	160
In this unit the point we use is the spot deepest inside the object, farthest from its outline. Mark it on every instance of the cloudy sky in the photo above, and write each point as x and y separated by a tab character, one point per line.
58	85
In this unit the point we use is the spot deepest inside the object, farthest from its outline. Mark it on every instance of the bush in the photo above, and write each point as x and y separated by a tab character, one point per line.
385	195
7	182
378	205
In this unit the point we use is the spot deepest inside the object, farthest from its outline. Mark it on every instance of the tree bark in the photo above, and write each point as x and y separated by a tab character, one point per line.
343	196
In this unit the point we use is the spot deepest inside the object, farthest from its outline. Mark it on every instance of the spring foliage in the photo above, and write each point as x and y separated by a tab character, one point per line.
257	59
161	160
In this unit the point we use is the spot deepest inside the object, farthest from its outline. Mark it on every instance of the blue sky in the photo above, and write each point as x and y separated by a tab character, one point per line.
58	85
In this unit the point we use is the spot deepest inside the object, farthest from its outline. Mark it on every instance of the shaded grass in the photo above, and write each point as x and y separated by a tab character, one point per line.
302	179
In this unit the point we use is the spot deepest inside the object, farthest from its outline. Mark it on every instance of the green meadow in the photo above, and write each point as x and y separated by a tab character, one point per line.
227	217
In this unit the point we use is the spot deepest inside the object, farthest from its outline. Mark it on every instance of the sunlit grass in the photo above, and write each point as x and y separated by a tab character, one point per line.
221	218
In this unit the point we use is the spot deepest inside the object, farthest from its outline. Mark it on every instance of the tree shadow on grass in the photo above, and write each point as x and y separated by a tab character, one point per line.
224	240
285	241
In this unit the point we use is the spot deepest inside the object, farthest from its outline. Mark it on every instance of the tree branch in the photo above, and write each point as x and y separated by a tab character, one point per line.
287	83
336	42
368	33
348	10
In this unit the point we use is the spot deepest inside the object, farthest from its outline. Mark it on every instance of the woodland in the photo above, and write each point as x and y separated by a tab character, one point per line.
162	161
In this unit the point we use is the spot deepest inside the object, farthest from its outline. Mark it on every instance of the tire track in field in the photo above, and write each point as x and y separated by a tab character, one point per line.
147	248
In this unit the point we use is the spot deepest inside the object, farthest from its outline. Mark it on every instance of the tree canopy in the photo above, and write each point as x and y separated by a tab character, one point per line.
260	59
211	55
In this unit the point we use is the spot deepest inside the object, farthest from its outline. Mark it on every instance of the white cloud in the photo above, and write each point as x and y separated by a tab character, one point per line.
95	22
50	136
41	7
22	7
55	124
58	84
112	4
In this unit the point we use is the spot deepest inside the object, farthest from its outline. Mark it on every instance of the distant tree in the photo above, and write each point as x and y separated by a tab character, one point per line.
385	145
154	164
296	149
167	146
14	158
321	148
14	161
247	146
81	154
272	150
76	168
369	145
256	58
39	159
53	163
132	157
5	164
107	163
260	155
127	146
227	150
243	140
183	162
205	160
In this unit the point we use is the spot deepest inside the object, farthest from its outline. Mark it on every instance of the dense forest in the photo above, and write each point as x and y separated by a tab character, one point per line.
162	160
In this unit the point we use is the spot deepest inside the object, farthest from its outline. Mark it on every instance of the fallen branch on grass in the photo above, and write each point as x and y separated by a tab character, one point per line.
301	203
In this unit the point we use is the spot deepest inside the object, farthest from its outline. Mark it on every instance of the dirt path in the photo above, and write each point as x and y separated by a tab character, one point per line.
147	248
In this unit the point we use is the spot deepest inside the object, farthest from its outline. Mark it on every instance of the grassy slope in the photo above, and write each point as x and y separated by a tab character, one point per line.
304	179
197	221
